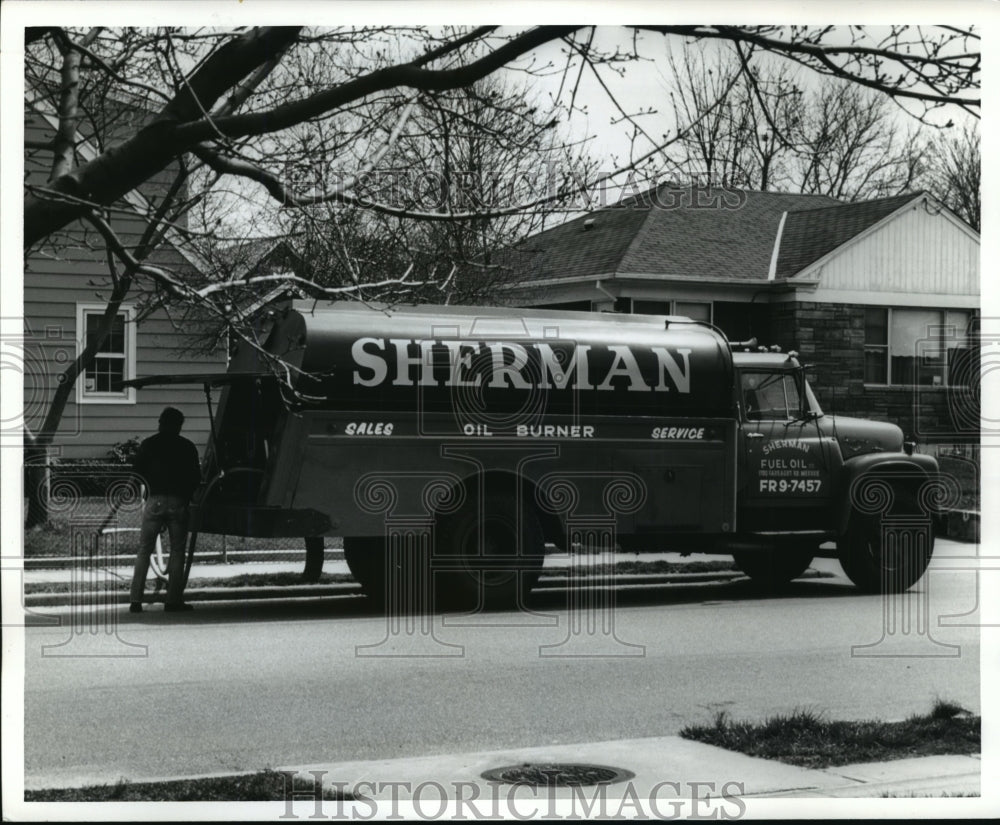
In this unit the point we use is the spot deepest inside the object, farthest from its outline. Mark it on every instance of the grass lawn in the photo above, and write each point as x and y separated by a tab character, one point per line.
807	739
263	786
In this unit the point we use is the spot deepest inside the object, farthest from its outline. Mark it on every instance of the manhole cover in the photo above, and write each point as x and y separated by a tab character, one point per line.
551	775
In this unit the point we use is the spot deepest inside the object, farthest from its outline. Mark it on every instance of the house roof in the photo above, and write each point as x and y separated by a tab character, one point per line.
579	248
701	233
809	234
258	256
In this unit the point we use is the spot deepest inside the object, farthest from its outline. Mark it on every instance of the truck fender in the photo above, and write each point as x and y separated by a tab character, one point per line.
897	469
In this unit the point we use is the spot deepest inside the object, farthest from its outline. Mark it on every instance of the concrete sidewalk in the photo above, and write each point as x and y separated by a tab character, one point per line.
663	768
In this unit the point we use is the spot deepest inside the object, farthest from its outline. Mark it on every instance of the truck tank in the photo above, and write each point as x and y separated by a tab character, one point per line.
495	363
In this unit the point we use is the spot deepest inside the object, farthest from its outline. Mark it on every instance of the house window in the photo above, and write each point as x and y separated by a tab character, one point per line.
652	308
928	347
101	382
575	306
696	310
741	321
876	346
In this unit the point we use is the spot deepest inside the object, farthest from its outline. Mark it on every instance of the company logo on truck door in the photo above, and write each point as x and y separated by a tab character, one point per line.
790	466
507	365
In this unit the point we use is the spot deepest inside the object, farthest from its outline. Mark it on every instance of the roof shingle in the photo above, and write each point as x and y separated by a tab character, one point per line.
705	233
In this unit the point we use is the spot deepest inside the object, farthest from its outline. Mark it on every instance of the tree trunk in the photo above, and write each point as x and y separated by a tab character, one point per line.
37	481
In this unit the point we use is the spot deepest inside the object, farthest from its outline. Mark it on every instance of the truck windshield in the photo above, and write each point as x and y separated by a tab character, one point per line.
770	396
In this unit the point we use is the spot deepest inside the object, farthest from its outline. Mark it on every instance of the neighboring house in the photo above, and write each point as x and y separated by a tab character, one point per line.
261	256
881	296
66	284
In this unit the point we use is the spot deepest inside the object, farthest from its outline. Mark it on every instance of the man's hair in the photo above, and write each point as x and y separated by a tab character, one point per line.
171	420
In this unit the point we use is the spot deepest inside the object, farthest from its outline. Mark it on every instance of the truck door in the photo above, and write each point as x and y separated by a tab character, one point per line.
787	459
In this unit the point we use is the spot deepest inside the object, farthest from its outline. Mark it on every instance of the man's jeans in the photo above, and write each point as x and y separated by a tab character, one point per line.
170	512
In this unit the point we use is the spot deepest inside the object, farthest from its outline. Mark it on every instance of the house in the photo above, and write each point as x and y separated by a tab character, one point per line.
880	297
67	283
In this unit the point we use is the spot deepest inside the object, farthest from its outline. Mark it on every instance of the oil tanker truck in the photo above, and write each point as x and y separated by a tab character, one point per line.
453	444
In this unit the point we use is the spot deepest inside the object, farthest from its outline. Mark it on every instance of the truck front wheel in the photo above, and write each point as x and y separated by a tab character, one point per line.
774	568
883	561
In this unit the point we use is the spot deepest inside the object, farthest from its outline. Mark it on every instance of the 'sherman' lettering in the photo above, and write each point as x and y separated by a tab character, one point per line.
502	365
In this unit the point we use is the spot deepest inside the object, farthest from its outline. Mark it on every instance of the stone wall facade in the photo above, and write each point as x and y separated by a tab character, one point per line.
831	338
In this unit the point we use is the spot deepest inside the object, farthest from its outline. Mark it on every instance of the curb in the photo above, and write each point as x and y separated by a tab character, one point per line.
303	591
206	594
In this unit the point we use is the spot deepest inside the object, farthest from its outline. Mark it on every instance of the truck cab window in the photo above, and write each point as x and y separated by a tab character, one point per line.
770	396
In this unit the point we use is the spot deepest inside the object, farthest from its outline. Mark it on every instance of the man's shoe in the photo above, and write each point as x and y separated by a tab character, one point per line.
177	608
135	607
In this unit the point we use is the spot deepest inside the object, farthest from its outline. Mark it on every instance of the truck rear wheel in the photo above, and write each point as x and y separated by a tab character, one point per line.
383	576
877	566
774	568
489	556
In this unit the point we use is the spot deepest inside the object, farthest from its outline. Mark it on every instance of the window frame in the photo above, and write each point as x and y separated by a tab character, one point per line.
886	348
128	395
673	306
797	379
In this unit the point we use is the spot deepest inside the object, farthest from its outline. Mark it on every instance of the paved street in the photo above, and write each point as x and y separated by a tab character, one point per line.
240	686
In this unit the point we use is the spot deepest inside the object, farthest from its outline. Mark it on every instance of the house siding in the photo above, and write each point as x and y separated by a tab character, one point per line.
916	252
70	268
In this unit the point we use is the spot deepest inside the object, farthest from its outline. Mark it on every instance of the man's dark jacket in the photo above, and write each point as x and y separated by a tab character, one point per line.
168	464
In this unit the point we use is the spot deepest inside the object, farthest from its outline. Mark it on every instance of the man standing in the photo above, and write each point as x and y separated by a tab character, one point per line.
168	465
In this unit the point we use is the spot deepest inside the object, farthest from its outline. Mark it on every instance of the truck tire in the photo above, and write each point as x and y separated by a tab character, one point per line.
366	559
875	568
400	583
497	574
774	568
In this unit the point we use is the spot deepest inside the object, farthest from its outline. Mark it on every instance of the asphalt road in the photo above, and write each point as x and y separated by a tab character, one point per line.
241	686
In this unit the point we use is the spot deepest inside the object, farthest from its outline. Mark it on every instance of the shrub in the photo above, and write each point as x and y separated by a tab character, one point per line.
124	451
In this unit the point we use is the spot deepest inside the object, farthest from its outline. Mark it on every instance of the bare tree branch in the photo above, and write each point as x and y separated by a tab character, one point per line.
936	71
64	143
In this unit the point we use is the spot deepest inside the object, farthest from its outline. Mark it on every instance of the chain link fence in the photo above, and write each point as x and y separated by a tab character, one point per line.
103	499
